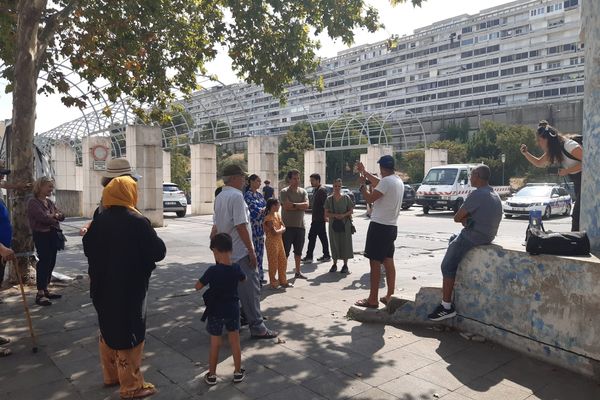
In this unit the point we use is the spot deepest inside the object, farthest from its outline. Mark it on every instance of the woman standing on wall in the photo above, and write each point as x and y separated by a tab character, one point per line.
564	152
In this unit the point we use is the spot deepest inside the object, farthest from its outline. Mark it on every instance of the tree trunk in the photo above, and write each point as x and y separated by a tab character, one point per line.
29	15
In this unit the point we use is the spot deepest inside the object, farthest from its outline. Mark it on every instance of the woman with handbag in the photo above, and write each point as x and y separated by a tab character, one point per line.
338	211
48	238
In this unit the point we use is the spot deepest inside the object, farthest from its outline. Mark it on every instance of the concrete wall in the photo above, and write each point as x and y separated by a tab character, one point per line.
204	177
435	158
145	155
543	306
263	158
70	202
166	165
315	161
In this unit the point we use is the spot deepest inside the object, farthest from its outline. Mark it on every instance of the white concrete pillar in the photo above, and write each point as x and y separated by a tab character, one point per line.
204	177
91	174
166	166
63	164
435	158
374	153
315	161
263	159
590	198
145	155
79	178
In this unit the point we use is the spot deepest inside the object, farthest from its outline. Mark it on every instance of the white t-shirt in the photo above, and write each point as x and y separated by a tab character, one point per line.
570	145
387	208
230	211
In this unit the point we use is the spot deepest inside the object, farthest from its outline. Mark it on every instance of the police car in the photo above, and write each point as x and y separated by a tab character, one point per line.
548	198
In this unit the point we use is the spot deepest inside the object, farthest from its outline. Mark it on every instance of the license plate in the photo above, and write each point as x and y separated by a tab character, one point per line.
170	203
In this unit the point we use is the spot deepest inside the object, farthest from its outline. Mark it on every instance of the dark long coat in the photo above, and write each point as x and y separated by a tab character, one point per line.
122	249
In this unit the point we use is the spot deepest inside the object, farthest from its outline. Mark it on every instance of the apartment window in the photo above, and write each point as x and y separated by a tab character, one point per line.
506	72
454	93
522	56
479	77
574	61
570	47
491	88
479	89
466	54
464	92
466	79
453	82
443	83
537	67
467	42
534	53
521	70
479	52
554	65
507	59
551	92
554	49
467	29
494	48
571	3
556	22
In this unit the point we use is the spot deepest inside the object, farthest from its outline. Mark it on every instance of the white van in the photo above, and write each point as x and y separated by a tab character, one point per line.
447	187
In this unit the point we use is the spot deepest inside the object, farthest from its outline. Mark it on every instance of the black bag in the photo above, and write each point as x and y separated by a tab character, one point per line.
557	243
60	239
338	226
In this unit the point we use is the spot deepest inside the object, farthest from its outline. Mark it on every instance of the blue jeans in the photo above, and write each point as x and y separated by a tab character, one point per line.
458	247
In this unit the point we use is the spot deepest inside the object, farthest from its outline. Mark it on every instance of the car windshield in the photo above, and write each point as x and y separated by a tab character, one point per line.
534	191
440	176
170	188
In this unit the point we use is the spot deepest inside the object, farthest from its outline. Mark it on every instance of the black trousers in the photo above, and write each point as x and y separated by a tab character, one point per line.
317	229
46	247
576	179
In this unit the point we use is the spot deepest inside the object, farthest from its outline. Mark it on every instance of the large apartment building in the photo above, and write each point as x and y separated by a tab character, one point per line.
518	56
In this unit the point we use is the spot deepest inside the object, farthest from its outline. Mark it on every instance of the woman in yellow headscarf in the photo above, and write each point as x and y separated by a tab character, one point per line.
122	249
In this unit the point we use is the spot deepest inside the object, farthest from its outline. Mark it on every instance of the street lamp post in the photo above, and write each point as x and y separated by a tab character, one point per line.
503	158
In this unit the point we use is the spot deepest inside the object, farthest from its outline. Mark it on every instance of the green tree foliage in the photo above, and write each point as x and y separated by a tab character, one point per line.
292	147
457	152
483	143
456	132
509	142
412	163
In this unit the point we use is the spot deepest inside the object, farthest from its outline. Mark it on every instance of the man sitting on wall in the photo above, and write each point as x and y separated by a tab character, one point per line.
480	215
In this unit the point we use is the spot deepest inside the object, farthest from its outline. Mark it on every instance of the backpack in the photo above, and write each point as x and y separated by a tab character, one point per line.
575	138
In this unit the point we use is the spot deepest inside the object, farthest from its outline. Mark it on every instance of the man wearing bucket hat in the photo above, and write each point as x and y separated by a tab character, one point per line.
386	197
115	167
231	216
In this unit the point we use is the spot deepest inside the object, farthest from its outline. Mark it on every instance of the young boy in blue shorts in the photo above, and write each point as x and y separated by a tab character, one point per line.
222	306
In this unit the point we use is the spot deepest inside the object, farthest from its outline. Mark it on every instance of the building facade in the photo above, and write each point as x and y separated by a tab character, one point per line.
519	62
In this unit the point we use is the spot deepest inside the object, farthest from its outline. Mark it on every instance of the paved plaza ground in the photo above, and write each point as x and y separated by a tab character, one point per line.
320	354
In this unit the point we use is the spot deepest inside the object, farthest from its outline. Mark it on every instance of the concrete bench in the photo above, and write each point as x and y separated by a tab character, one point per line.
544	306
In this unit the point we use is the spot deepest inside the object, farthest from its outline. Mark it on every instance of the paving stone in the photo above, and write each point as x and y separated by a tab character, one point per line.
485	389
448	376
294	393
411	387
336	385
374	394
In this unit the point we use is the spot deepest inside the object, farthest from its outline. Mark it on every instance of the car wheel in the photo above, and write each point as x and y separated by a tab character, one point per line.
405	207
457	205
567	210
508	216
180	214
425	210
548	213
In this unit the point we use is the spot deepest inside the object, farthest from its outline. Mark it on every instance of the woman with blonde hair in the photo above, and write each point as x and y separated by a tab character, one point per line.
44	221
122	249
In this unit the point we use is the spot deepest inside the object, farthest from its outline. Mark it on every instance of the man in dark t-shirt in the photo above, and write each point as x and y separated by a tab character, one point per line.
317	226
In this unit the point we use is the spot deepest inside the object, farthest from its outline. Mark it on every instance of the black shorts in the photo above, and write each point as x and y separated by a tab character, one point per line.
294	236
215	325
380	241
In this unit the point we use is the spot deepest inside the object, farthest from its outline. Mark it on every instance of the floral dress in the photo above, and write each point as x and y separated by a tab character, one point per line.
256	204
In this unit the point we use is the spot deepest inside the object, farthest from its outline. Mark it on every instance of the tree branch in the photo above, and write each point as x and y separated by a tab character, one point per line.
53	22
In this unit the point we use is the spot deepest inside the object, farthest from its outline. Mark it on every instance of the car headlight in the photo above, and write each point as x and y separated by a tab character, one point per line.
537	204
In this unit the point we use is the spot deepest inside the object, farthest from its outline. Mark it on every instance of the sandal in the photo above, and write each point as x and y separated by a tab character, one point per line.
345	270
4	341
41	300
4	352
267	335
384	300
51	296
147	389
365	303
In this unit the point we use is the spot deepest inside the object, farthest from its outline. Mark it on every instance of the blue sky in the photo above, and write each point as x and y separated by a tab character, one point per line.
398	20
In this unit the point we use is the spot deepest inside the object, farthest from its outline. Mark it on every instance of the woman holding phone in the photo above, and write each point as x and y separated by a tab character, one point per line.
563	152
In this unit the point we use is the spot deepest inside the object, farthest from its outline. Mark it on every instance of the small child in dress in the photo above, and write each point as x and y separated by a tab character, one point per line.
274	230
222	306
